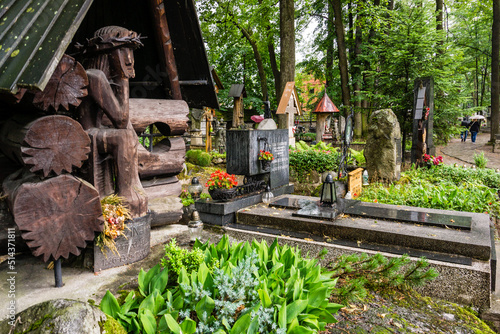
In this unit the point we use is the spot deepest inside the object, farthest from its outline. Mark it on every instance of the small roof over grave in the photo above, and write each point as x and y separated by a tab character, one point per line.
290	93
326	105
237	90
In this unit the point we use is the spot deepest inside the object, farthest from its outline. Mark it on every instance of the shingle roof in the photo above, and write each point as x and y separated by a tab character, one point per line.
34	34
326	105
236	90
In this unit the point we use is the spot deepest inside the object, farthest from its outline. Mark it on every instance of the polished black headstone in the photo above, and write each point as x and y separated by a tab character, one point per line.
242	151
407	216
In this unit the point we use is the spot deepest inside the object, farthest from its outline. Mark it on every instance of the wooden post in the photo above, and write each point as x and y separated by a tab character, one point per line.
355	181
238	112
163	37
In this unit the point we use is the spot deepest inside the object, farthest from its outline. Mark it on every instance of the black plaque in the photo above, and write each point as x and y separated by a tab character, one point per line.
132	249
243	148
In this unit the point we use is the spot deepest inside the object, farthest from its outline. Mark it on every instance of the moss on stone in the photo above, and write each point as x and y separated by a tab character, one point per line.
111	326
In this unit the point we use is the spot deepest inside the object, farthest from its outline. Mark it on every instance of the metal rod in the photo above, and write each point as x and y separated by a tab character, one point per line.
58	273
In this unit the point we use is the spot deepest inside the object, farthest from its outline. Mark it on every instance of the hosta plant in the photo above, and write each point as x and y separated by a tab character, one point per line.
255	289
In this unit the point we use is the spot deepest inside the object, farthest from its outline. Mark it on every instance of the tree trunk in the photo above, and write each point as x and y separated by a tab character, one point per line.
357	80
330	46
258	61
495	79
344	73
167	158
287	41
56	216
51	144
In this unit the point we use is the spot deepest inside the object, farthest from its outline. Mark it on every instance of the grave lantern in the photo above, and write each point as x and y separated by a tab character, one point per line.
267	196
195	188
195	227
328	196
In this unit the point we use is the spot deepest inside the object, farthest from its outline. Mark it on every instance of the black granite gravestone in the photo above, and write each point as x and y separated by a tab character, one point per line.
243	148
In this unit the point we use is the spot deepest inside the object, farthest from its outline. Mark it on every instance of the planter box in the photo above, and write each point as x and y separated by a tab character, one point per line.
132	249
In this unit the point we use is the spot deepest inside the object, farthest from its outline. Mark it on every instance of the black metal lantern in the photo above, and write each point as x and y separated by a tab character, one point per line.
328	196
195	188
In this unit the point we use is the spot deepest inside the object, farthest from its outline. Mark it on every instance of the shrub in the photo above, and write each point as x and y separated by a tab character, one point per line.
198	157
480	160
257	289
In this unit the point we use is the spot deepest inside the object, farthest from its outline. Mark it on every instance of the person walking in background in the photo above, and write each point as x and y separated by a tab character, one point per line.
474	129
465	129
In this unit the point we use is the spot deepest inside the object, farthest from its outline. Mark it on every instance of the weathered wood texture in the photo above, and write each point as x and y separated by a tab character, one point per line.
162	187
56	216
167	158
49	144
162	34
67	86
169	116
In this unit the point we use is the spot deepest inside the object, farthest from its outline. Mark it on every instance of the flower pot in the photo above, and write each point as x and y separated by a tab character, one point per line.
223	195
265	165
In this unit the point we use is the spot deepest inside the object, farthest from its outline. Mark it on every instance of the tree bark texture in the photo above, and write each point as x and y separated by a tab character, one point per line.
344	74
287	41
495	78
166	159
56	216
330	46
50	144
169	116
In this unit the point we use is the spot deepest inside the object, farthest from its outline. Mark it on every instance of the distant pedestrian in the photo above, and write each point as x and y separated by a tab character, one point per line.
465	129
474	129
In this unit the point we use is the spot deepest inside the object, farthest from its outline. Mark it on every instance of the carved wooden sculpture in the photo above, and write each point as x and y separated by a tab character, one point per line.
109	60
51	144
57	216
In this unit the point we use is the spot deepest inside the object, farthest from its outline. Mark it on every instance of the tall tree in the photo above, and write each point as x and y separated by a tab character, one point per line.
342	53
495	79
287	42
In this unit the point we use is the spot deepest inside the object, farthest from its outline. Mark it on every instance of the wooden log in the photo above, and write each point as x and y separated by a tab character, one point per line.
162	187
51	144
66	87
56	216
169	116
167	158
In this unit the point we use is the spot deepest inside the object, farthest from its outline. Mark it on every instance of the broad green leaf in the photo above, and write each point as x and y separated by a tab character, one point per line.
318	296
203	272
172	324
159	282
148	304
178	302
264	297
333	308
282	322
253	328
241	325
109	304
148	277
294	309
220	331
300	330
323	315
188	326
148	322
205	307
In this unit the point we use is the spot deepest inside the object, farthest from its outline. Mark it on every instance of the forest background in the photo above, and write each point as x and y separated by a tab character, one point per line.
367	52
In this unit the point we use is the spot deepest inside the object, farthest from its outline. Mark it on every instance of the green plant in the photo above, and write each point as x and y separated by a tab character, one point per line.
187	200
357	272
199	157
177	258
480	160
359	156
221	180
257	289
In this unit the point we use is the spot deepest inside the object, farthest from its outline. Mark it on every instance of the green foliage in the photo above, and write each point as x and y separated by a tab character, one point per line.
187	200
445	187
256	289
177	259
199	157
359	156
480	160
359	272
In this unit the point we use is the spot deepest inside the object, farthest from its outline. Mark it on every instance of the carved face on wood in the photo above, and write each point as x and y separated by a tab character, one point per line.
122	63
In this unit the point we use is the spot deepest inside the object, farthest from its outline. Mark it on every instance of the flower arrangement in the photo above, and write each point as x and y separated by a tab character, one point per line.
115	214
221	180
266	155
432	160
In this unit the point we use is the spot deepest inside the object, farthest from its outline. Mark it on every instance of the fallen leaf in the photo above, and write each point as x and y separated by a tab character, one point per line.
308	239
382	315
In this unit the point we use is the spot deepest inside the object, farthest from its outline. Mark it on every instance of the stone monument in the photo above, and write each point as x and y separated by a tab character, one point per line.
195	130
287	109
383	147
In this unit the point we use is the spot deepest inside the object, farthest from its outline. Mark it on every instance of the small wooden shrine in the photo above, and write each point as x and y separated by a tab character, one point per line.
80	80
323	110
287	109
